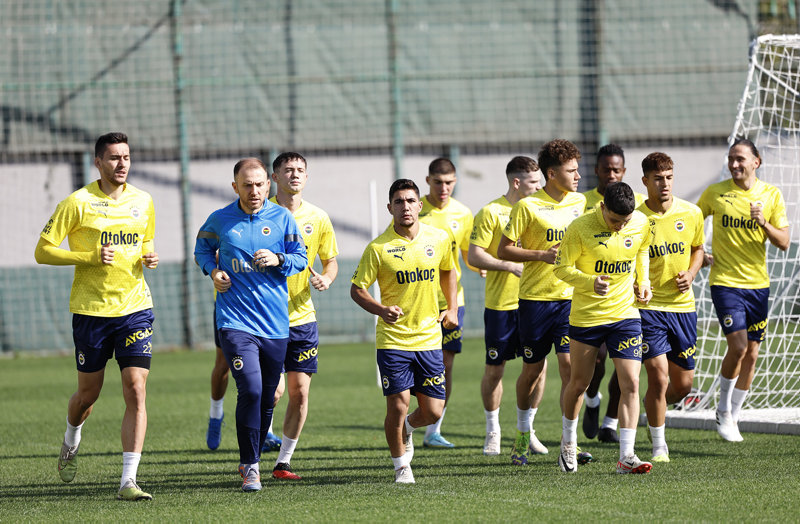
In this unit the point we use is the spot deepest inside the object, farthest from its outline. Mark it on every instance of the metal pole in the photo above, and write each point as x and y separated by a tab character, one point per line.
396	90
188	294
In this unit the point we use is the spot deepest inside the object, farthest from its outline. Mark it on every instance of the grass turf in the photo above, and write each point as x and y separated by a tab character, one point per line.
344	461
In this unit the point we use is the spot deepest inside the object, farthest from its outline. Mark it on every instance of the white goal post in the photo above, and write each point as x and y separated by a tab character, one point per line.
769	116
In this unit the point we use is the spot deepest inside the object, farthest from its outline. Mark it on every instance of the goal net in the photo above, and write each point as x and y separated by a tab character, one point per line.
768	115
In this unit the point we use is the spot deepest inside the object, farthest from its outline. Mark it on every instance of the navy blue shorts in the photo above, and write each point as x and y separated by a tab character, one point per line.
672	333
451	338
301	353
418	371
739	309
128	338
501	335
623	339
247	353
542	325
216	331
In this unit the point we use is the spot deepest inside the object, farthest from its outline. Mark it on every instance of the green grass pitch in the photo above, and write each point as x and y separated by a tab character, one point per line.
344	461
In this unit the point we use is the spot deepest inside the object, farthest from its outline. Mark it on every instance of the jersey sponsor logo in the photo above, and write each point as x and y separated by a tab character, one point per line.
385	382
415	275
634	342
101	207
602	267
138	335
307	355
308	228
430	252
739	222
81	358
727	321
493	353
119	238
564	342
679	226
667	248
266	231
397	252
437	380
48	227
239	265
688	352
758	326
452	336
628	242
555	235
135	213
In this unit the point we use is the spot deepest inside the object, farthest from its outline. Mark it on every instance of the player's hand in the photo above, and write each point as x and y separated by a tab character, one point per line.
684	281
644	294
601	285
516	269
150	260
265	258
107	253
391	314
320	282
483	273
550	254
757	214
222	282
708	260
449	318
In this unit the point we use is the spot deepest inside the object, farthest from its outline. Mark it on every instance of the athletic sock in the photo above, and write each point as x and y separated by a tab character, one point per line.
737	401
73	434
593	402
270	426
627	438
436	427
130	464
725	391
216	410
610	423
523	420
533	416
409	428
569	429
287	449
657	435
492	421
399	462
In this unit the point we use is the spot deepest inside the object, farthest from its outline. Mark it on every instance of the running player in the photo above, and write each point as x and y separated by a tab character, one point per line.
259	245
609	168
669	320
290	175
747	212
110	226
500	316
600	254
538	224
411	261
440	210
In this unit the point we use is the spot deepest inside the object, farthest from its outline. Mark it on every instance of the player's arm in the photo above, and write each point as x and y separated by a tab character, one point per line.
448	281
465	258
149	255
322	281
508	250
50	254
362	297
206	255
778	236
685	278
480	258
565	268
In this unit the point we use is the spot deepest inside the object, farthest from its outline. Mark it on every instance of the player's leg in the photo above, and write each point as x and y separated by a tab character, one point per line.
501	340
526	382
583	356
451	346
273	441
608	428
491	395
591	415
655	404
745	379
298	383
535	446
219	385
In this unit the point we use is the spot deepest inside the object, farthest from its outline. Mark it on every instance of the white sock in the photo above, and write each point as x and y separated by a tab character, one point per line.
287	449
216	410
533	416
610	423
270	424
592	402
436	427
130	463
409	428
569	429
657	435
725	387
492	421
399	462
73	434
737	401
523	420
627	438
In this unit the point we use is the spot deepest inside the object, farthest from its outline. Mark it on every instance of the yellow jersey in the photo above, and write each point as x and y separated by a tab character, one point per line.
89	219
319	238
590	248
737	242
456	219
408	274
593	197
674	234
539	223
502	287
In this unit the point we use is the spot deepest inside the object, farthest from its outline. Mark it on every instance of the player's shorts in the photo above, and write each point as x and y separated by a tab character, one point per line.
216	331
623	339
451	338
248	354
672	333
128	338
542	325
501	335
739	309
301	354
418	371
